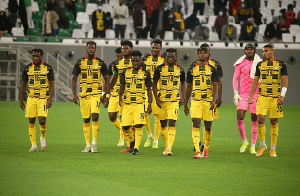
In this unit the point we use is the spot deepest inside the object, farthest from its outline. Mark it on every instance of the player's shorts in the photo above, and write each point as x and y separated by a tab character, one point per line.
113	105
36	107
154	107
201	109
169	110
133	114
265	104
243	105
90	105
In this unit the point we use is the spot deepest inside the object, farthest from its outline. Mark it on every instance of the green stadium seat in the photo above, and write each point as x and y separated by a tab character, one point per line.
56	40
22	39
64	33
80	7
33	32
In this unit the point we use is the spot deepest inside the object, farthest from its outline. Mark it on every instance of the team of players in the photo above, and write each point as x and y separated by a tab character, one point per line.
135	86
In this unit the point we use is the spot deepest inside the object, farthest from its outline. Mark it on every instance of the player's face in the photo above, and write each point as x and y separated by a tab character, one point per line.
171	58
136	62
267	53
126	50
202	55
155	49
249	52
91	50
119	55
37	58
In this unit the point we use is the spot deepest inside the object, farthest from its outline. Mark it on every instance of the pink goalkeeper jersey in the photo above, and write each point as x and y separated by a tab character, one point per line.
242	72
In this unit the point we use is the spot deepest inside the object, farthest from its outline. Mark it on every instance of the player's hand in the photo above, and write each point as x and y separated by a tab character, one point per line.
106	101
49	103
120	102
250	100
280	100
219	102
212	105
102	98
75	99
158	103
236	98
149	109
22	105
181	101
186	110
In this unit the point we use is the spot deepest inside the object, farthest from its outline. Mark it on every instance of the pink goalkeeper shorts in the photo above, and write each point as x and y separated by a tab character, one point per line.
243	105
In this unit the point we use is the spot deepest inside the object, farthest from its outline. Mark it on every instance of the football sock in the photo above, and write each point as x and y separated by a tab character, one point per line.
207	139
138	137
43	130
164	135
171	136
156	127
87	133
261	132
196	138
129	135
204	136
95	129
117	124
32	134
241	128
147	125
274	134
253	132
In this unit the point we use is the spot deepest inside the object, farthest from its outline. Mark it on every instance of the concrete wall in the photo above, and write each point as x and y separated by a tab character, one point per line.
226	56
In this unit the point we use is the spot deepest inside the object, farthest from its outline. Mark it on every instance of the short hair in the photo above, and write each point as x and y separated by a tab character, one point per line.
156	41
37	50
202	48
118	50
290	6
136	53
91	42
268	46
127	42
171	50
205	45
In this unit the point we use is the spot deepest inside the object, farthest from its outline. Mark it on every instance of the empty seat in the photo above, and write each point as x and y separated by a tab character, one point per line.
82	17
90	8
213	36
63	33
17	31
6	39
90	33
35	6
110	34
69	41
78	33
287	37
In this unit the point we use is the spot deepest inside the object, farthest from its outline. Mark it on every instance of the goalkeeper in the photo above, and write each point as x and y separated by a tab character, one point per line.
244	73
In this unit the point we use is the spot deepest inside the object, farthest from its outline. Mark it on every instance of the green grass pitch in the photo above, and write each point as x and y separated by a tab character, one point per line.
63	170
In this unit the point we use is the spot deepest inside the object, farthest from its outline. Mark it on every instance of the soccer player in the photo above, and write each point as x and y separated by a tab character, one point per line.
117	70
133	82
202	81
167	77
90	70
40	79
244	71
151	61
273	82
118	53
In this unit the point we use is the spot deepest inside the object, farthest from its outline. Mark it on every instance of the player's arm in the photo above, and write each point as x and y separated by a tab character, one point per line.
122	88
220	85
254	84
51	87
149	92
284	84
235	84
156	77
22	94
182	81
188	91
215	83
75	72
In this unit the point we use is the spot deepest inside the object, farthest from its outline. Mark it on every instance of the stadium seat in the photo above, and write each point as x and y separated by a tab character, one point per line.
82	18
32	32
294	29
90	33
79	7
261	29
100	42
86	26
211	20
35	6
144	43
17	31
63	33
55	40
213	36
69	41
90	8
78	33
168	35
109	33
6	39
287	37
22	39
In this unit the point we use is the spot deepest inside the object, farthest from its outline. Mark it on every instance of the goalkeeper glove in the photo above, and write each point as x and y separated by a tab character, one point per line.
236	98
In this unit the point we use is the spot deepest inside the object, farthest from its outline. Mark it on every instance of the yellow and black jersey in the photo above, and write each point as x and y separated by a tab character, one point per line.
270	73
217	65
117	70
90	72
202	78
111	67
168	79
135	81
152	63
38	77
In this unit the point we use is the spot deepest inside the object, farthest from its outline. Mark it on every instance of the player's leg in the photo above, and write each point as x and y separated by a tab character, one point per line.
31	114
262	106
95	111
196	115
148	129
240	113
274	127
32	134
42	115
139	121
113	109
163	123
155	112
207	118
253	133
172	112
85	109
127	122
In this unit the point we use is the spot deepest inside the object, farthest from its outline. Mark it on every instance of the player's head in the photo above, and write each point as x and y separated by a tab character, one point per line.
268	52
126	47
136	59
156	47
91	48
205	45
171	56
118	53
37	55
202	54
250	50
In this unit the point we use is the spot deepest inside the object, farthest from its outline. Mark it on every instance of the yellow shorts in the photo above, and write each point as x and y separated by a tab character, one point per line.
36	107
113	105
154	107
201	109
169	110
265	104
133	114
89	105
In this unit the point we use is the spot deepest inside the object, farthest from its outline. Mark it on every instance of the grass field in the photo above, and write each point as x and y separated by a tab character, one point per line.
63	170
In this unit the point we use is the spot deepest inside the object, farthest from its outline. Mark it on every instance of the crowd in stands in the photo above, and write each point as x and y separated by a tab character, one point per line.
230	20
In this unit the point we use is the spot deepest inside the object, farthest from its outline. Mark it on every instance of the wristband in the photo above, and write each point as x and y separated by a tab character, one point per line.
283	91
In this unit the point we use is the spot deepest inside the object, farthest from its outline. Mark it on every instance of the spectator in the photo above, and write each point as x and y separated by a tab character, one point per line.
220	21
284	22
71	7
234	5
49	23
139	17
61	10
98	21
151	5
108	21
190	23
120	14
273	32
201	32
4	23
219	5
255	5
13	8
160	21
243	13
248	30
229	31
178	21
199	6
290	14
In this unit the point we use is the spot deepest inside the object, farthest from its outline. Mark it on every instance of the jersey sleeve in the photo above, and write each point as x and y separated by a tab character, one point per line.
189	76
214	75
50	74
156	75
284	70
103	69
182	75
110	69
220	70
148	80
122	78
257	71
24	75
76	69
